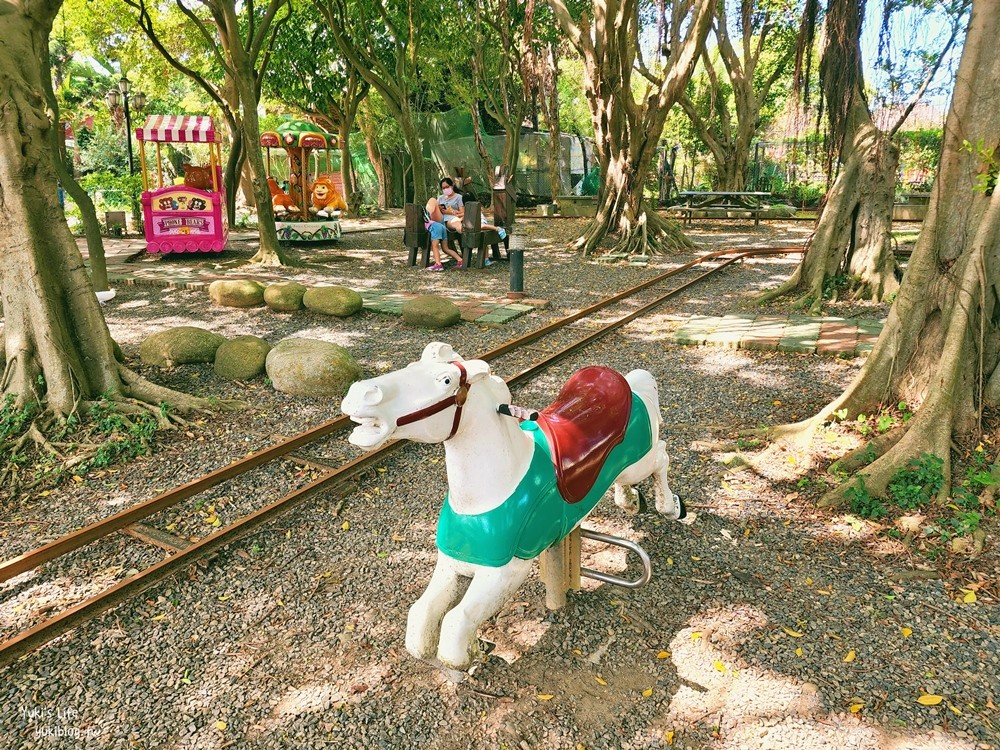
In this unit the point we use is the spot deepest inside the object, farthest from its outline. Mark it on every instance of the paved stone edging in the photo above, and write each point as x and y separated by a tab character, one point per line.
480	310
791	333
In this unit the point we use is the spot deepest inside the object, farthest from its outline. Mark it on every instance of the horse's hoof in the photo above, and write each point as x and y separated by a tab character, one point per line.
682	510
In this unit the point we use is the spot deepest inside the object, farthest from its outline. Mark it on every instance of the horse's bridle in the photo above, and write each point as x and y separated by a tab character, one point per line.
457	399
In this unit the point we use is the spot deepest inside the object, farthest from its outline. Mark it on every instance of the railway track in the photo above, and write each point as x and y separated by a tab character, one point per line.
335	479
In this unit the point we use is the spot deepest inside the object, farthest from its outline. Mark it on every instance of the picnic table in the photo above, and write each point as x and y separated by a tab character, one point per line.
698	200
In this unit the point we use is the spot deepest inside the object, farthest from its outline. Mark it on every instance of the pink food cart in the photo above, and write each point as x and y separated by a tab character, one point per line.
188	216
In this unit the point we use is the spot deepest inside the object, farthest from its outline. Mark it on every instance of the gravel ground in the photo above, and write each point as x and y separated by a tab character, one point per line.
765	625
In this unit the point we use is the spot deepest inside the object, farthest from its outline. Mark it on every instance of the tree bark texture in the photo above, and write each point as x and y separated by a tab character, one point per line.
626	129
56	343
940	346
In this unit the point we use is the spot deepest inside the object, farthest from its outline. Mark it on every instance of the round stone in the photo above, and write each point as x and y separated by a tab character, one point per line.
236	292
332	300
284	296
431	311
307	367
181	345
241	358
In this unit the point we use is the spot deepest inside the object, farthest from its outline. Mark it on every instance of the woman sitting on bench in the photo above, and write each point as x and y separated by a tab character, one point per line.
441	214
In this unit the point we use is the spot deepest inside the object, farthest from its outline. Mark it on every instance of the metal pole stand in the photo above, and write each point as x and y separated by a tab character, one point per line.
516	256
561	570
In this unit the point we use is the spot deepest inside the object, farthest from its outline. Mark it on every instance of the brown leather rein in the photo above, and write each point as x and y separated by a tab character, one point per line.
457	399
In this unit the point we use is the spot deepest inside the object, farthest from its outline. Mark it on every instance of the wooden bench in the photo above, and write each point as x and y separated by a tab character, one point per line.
687	213
473	239
719	204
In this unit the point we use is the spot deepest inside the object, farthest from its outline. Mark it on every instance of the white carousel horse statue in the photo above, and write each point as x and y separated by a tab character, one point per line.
514	488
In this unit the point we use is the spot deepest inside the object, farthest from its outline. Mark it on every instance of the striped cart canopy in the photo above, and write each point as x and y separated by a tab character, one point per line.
178	129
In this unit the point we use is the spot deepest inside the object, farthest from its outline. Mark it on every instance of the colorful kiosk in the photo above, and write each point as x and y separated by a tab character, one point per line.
308	207
190	215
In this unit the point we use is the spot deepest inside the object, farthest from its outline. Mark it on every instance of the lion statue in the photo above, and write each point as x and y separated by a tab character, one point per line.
326	199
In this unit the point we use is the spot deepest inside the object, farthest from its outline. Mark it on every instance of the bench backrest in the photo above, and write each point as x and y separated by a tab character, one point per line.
414	217
114	219
472	218
503	198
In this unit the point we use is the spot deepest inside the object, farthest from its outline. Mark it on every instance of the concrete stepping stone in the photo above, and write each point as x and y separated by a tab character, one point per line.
731	329
765	333
868	333
800	336
696	330
837	338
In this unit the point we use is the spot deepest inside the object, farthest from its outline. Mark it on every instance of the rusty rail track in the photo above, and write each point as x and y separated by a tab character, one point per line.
43	632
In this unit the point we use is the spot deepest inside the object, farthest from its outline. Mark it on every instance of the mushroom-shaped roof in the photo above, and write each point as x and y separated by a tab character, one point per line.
298	134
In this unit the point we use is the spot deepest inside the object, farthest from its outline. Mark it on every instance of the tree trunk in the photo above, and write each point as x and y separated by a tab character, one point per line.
88	213
623	214
246	186
269	253
732	170
413	146
56	343
853	235
549	97
378	164
347	166
940	347
477	135
234	168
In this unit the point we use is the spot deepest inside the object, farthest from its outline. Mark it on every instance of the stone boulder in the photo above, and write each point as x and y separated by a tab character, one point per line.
236	292
307	367
241	358
180	346
332	300
284	296
431	311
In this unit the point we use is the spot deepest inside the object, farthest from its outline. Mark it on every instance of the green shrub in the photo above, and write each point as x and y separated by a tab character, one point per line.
862	502
918	482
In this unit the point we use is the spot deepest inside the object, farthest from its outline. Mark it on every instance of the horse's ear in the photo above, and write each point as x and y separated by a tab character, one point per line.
476	369
438	352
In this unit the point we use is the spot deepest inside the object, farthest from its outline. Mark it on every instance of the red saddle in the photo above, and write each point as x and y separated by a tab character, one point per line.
583	425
